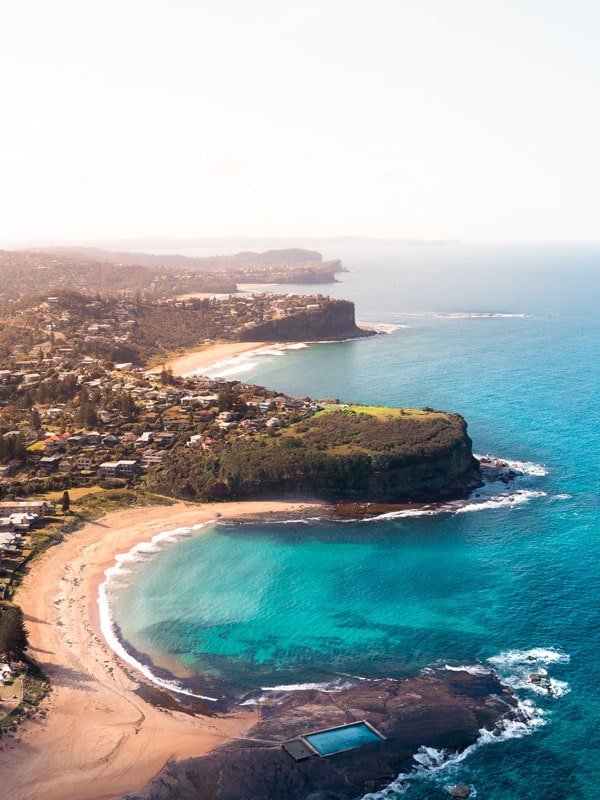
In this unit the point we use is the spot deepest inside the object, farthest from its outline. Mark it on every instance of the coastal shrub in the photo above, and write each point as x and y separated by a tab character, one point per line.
333	454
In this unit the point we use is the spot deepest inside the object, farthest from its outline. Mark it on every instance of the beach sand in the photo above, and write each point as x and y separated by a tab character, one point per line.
95	738
209	355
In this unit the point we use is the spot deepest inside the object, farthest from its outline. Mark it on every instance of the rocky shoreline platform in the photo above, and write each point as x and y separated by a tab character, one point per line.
444	709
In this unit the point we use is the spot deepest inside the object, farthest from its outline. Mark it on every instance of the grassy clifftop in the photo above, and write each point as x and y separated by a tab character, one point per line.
353	453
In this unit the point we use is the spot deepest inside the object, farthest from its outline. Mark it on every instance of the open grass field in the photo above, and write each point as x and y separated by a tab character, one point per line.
381	411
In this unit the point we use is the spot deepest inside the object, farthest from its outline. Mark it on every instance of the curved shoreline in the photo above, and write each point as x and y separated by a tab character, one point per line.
206	357
95	738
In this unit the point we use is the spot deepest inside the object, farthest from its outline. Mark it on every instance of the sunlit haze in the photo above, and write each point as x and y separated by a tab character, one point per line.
395	118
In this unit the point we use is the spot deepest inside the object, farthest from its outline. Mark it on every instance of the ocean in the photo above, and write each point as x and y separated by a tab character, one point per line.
508	336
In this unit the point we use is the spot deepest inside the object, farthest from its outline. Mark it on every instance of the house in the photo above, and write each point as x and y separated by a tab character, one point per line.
76	440
225	426
53	443
197	438
40	507
6	673
154	457
203	416
208	400
22	522
111	440
31	377
116	469
49	463
91	438
164	439
84	462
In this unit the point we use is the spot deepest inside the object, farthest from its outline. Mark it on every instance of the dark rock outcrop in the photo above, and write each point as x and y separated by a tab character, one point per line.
441	709
461	791
333	320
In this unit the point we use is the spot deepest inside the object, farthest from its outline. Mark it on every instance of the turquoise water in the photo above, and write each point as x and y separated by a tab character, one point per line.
514	586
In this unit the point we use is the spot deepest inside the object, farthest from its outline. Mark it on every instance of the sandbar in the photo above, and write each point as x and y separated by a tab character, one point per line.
94	738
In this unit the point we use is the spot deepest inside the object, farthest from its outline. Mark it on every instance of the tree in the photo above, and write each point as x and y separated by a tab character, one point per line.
227	398
166	376
13	634
66	502
36	422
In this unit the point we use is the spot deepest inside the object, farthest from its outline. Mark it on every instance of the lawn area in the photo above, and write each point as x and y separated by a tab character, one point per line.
380	411
8	691
74	494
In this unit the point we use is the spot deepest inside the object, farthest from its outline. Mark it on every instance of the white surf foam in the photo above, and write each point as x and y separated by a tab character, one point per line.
304	687
381	327
501	501
516	666
536	655
244	362
522	467
292	521
430	762
107	622
462	315
485	502
472	669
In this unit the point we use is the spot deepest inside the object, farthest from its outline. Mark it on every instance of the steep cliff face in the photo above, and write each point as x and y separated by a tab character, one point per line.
334	319
452	472
348	456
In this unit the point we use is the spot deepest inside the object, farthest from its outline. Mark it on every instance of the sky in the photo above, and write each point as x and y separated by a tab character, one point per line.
432	119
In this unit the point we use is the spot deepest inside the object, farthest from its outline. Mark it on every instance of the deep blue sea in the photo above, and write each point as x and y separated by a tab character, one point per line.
510	585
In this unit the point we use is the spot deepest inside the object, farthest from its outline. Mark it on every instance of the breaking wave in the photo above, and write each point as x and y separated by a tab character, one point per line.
244	362
528	670
511	666
117	574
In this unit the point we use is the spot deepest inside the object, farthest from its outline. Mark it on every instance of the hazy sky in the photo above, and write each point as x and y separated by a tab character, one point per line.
411	118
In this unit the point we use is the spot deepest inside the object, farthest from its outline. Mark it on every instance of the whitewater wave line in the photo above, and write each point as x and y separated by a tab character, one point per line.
108	624
432	763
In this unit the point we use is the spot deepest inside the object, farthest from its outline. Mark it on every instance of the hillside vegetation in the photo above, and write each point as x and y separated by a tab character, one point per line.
378	454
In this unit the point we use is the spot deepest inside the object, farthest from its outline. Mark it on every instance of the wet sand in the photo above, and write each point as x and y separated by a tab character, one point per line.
208	356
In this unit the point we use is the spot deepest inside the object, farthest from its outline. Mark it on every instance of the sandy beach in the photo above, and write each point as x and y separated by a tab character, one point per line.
209	355
95	739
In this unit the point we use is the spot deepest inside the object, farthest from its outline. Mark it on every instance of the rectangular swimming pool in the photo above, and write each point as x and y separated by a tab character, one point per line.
344	737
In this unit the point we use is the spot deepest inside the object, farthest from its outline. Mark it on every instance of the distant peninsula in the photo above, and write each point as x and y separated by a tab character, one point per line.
152	276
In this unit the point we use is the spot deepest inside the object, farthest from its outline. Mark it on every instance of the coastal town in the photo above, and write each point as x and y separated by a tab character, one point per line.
71	418
152	277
